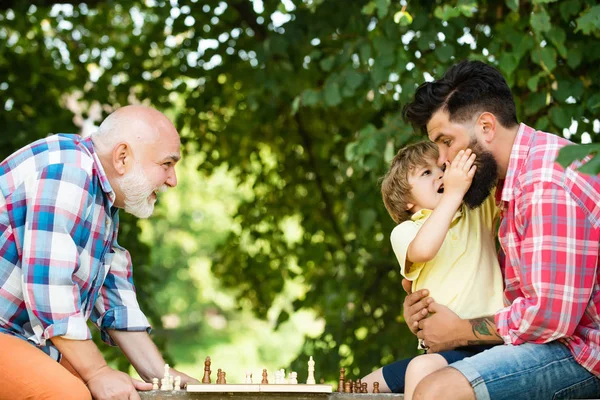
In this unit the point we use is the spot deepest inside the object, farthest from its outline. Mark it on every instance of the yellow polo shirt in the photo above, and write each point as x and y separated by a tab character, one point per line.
464	275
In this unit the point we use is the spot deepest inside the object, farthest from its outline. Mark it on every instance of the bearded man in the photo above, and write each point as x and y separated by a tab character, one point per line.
549	236
61	265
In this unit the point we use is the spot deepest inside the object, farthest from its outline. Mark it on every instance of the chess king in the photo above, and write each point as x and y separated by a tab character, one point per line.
61	265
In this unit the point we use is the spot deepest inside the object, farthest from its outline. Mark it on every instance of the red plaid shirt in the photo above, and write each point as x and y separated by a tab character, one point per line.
549	233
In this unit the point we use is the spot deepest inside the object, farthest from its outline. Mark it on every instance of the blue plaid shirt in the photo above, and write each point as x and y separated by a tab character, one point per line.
60	263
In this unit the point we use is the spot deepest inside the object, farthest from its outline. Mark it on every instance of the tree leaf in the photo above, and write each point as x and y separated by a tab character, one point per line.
557	37
444	52
513	5
589	20
327	63
403	18
593	103
569	154
568	9
310	97
540	21
546	57
331	94
560	117
382	8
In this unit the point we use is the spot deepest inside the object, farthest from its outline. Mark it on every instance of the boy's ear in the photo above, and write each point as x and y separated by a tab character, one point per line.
409	206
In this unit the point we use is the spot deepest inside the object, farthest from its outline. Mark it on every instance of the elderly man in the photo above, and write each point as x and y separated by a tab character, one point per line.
549	236
60	263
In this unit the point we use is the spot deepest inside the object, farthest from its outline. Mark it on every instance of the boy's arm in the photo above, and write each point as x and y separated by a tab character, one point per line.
457	180
430	237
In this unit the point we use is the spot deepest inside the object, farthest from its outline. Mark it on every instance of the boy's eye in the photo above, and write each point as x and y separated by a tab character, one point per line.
426	172
447	142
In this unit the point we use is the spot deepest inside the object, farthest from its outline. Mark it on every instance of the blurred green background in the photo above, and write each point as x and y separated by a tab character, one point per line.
275	244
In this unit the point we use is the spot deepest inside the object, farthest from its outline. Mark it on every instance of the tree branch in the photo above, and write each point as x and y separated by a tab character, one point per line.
307	143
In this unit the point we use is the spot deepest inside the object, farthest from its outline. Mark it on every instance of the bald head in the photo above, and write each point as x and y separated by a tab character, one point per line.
133	124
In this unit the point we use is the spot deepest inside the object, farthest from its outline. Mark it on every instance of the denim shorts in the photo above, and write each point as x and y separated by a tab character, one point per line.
528	371
394	373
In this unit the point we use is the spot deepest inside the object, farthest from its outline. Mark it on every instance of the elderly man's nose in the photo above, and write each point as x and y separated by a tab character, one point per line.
172	179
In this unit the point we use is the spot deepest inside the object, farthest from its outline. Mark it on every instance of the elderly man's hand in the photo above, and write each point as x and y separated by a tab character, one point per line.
415	306
108	384
440	331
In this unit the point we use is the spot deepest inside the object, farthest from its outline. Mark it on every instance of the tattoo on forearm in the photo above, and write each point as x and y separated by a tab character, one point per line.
484	327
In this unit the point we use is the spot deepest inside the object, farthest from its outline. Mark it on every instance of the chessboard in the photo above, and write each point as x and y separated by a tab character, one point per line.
262	388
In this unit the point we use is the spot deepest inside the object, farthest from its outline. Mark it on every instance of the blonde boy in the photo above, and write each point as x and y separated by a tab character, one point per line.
440	245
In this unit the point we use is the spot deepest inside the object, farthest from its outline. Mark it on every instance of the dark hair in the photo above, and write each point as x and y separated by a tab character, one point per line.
395	188
467	88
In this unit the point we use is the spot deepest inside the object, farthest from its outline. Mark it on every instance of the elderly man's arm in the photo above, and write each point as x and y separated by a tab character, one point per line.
145	357
102	381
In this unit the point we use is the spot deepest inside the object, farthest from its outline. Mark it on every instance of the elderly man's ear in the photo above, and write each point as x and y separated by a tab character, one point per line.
120	157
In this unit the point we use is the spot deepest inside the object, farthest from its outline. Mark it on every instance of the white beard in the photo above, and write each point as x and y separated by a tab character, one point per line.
137	191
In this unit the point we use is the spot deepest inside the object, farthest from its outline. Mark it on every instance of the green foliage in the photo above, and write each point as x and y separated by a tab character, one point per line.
301	101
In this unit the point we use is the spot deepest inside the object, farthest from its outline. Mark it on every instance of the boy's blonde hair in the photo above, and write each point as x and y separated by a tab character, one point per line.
395	189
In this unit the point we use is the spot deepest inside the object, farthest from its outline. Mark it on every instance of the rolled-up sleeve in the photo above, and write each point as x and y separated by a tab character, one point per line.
117	307
57	200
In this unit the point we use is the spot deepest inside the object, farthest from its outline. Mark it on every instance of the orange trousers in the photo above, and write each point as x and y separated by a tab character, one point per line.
29	373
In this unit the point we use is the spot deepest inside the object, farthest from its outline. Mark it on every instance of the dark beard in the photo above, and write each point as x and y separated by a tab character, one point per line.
485	178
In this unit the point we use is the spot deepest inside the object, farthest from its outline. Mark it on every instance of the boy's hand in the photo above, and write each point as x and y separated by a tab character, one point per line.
459	174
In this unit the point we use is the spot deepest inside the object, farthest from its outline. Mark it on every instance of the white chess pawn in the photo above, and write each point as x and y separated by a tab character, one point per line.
177	385
164	384
282	376
154	383
293	378
311	372
248	377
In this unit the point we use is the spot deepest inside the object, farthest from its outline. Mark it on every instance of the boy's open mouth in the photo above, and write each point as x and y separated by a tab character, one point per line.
441	189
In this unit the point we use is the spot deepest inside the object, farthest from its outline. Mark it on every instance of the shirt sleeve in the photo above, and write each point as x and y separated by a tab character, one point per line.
556	267
117	307
401	237
57	202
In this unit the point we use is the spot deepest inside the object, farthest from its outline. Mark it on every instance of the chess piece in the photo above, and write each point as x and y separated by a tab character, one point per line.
364	388
177	385
163	384
206	377
359	385
223	378
355	387
375	387
264	377
248	377
154	383
348	386
282	376
311	372
293	379
277	376
219	376
341	381
171	382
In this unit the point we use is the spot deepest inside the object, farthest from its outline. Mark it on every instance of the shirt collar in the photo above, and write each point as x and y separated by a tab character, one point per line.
424	213
518	155
104	183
